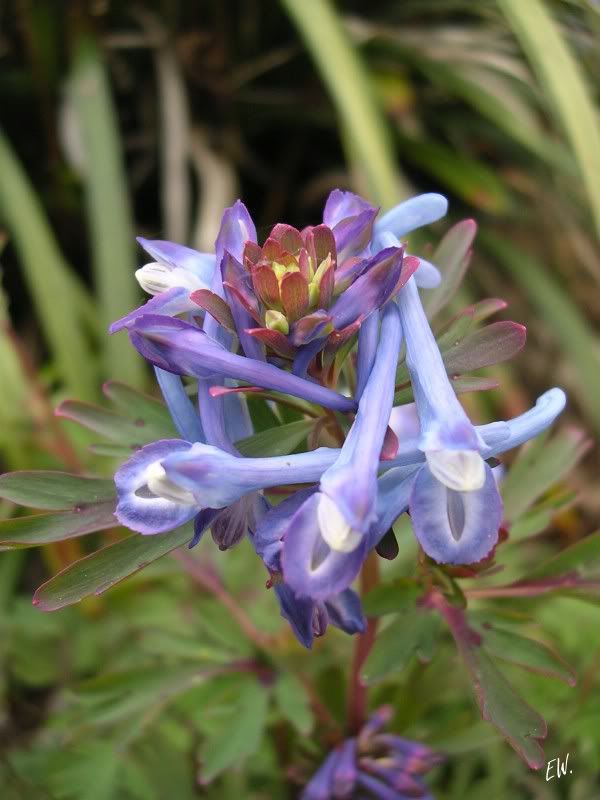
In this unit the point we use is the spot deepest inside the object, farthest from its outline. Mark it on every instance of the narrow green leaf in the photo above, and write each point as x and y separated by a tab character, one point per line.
139	405
130	433
54	490
413	633
561	77
501	705
58	296
451	257
44	528
584	555
240	734
525	652
107	197
346	78
90	771
280	441
540	466
492	344
563	318
99	571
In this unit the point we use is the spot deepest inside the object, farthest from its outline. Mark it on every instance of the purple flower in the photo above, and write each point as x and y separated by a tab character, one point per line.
386	766
175	273
452	526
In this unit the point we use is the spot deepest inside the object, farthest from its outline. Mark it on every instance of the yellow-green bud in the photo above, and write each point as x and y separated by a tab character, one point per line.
276	321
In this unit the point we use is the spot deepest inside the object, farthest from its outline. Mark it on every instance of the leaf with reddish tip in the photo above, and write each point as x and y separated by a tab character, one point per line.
41	529
490	345
294	295
527	653
101	570
312	326
390	445
288	237
322	240
452	258
273	339
128	432
252	255
326	287
247	301
272	251
487	308
215	306
266	285
221	391
54	491
498	702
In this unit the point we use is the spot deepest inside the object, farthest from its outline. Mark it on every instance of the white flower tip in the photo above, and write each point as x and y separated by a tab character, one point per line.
155	278
334	529
461	470
160	485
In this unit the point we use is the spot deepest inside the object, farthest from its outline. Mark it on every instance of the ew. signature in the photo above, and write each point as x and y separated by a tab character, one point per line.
560	770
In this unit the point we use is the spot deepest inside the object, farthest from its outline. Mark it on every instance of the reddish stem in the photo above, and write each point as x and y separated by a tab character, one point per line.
357	690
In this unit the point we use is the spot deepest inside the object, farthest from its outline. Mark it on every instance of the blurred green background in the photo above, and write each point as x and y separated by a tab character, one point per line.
148	118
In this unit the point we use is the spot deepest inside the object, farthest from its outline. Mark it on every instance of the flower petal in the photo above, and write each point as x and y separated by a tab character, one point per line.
137	507
455	527
310	567
173	301
177	256
412	214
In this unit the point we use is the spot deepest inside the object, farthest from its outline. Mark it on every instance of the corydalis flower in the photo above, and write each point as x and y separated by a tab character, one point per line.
315	285
380	765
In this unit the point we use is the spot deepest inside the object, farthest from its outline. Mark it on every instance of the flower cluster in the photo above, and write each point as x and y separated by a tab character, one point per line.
280	318
380	765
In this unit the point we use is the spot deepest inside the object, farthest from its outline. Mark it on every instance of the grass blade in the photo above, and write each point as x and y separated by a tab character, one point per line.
347	80
109	213
564	84
57	295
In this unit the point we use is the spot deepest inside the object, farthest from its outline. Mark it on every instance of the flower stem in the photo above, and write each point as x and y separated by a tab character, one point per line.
357	691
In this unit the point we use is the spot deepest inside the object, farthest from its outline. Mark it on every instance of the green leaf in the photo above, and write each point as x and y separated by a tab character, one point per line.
525	652
97	572
239	734
413	633
108	207
541	465
563	318
501	705
130	433
451	257
346	78
561	77
498	702
389	598
139	405
279	441
44	528
54	490
584	555
293	702
90	771
492	344
58	296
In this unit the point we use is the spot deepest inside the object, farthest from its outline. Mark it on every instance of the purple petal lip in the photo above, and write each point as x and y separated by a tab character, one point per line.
176	255
310	567
412	214
145	513
182	348
455	527
172	301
